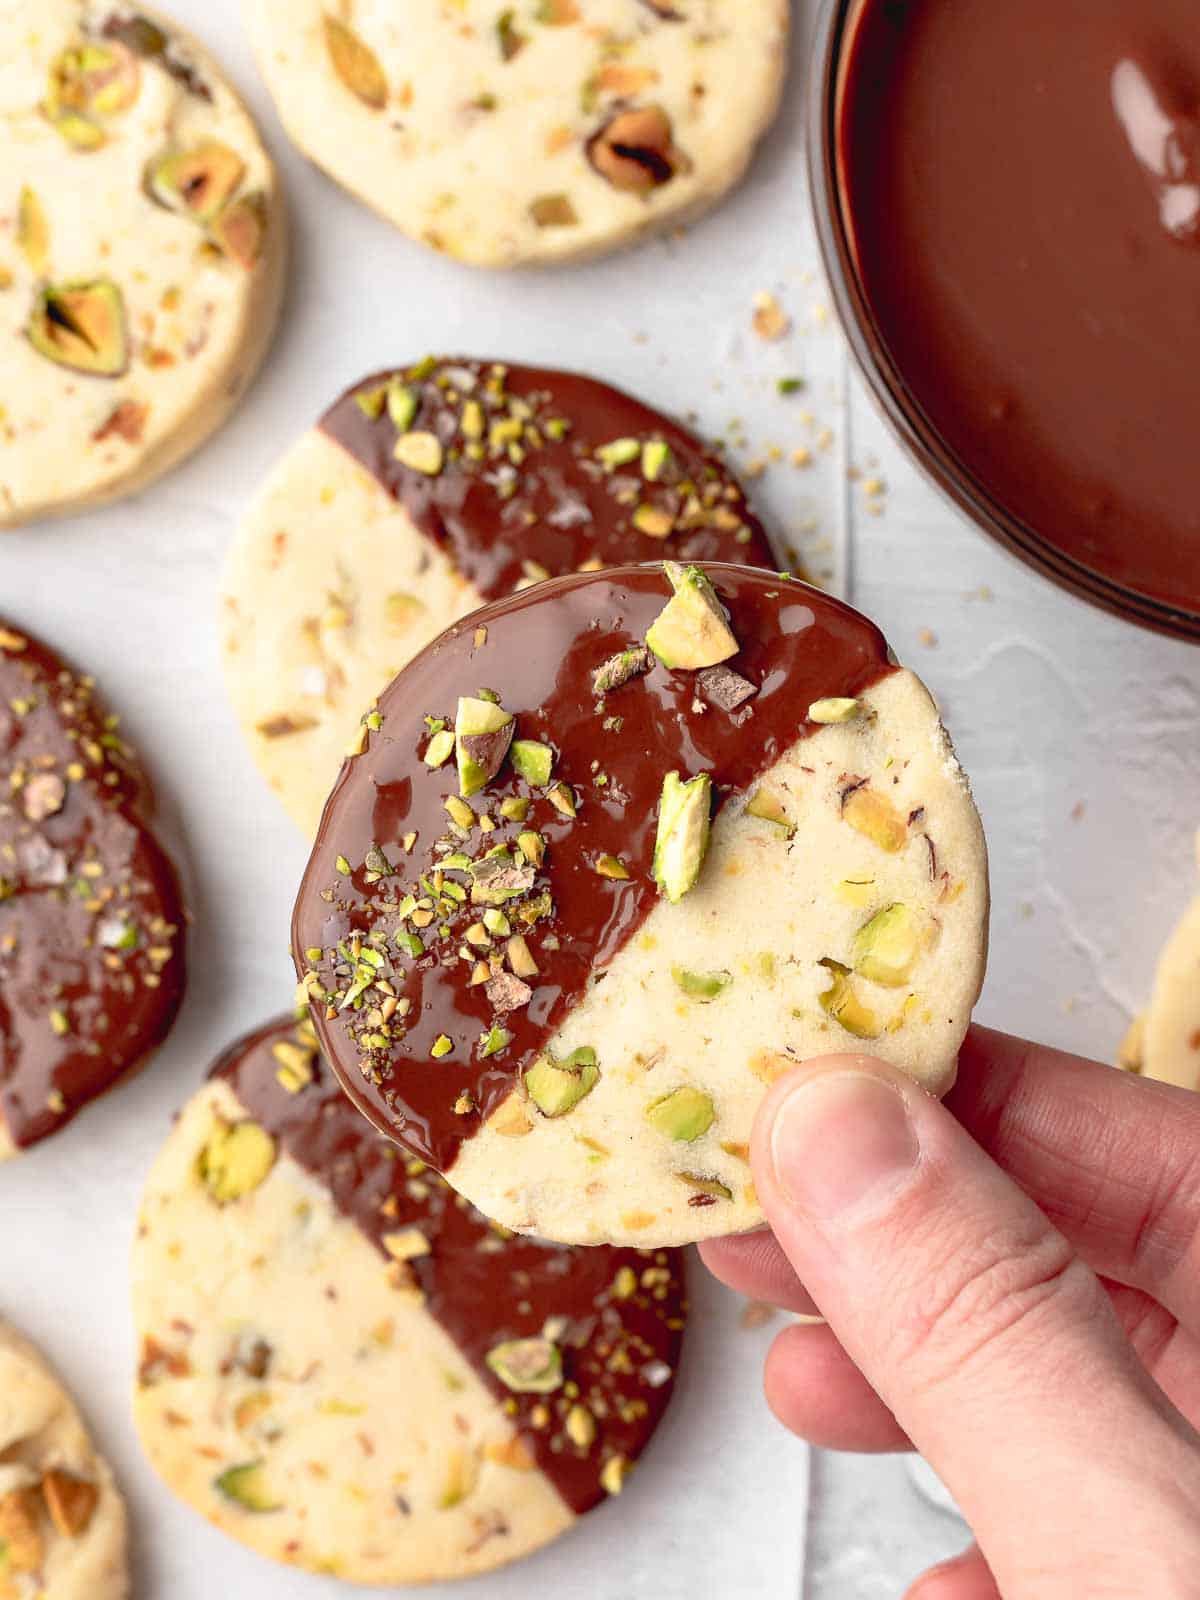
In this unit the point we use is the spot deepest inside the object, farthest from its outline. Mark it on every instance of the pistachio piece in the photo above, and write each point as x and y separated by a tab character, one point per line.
620	669
656	453
33	231
614	1473
886	949
767	806
520	957
483	732
841	1002
356	64
70	1501
710	1188
618	453
241	229
684	1114
82	326
556	1087
533	761
91	81
834	710
580	1427
511	1121
683	833
508	37
724	688
81	133
421	452
236	1160
653	521
691	632
873	815
439	749
196	182
527	1366
701	985
634	150
611	867
246	1486
22	1548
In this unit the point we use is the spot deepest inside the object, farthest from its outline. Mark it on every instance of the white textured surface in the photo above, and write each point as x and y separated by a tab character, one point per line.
1052	704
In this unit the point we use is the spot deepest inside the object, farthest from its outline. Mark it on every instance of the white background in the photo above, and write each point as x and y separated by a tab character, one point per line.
1079	732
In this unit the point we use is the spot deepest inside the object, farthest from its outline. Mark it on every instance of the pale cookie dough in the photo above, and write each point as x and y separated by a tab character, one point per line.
1165	1043
62	1519
540	132
351	560
540	973
347	1370
142	250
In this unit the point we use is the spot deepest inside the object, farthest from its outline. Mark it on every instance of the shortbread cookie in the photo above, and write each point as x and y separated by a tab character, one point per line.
91	921
348	1369
1165	1043
62	1519
539	132
534	961
422	494
141	251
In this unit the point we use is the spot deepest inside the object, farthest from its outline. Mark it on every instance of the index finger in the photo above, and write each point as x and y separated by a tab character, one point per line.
1113	1160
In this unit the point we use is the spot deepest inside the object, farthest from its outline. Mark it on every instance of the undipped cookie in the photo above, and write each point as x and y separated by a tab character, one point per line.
141	251
1165	1042
348	1369
420	495
533	963
91	920
62	1519
538	132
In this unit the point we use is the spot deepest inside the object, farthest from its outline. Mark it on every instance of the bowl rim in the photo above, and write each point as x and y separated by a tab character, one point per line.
886	384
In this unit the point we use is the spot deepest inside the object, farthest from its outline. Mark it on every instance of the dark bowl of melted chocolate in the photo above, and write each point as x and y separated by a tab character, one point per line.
1008	201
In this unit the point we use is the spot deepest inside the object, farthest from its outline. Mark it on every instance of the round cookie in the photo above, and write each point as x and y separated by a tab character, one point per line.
352	560
533	963
62	1519
91	918
1168	1039
348	1369
141	251
544	132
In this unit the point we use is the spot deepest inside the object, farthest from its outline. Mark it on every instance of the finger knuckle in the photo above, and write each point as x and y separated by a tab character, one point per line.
991	1300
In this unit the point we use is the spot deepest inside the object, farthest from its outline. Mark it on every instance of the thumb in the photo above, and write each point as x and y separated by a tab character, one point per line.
993	1344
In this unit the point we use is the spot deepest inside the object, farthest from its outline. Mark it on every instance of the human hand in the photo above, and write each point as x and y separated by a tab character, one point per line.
1011	1285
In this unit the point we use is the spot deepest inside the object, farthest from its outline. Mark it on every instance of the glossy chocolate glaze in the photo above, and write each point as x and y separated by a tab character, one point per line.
519	502
482	1286
1023	188
91	920
539	651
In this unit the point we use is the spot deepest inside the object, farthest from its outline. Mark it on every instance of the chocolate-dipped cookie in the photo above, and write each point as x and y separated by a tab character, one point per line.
142	247
91	918
422	494
617	852
347	1368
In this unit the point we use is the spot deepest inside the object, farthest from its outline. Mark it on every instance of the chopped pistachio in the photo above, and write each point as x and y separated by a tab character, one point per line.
563	799
439	749
441	1046
371	402
527	1366
701	985
619	453
492	1042
683	833
834	710
459	811
556	1087
515	808
235	1160
611	867
533	761
886	949
520	957
655	455
685	1115
246	1485
767	806
496	922
691	631
841	1002
532	846
483	732
421	452
713	1188
402	404
618	670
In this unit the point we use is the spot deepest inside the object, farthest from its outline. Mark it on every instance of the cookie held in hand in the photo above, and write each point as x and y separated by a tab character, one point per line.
618	852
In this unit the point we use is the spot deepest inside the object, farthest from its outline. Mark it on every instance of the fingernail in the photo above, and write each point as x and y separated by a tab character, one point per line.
841	1142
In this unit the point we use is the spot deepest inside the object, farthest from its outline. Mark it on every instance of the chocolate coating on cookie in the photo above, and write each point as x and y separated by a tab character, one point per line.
616	1317
387	931
91	919
523	474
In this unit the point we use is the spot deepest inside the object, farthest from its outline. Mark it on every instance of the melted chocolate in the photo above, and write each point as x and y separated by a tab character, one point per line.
483	1287
538	651
1023	186
520	501
91	920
